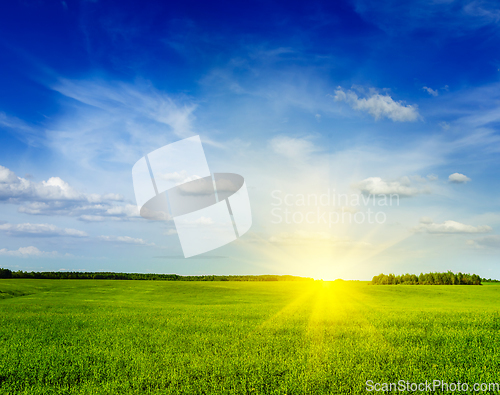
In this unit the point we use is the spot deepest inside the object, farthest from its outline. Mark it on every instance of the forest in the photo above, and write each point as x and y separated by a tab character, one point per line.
437	278
7	273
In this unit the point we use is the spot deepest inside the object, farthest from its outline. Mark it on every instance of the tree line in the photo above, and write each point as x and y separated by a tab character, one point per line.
437	278
7	273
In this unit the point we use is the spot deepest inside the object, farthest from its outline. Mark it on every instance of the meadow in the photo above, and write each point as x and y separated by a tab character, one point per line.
162	337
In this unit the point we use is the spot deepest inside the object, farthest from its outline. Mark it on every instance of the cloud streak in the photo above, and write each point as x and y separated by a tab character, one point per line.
379	106
378	186
449	227
125	240
41	230
430	91
118	122
31	251
485	242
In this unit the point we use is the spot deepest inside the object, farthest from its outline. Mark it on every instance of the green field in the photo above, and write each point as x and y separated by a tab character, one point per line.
161	337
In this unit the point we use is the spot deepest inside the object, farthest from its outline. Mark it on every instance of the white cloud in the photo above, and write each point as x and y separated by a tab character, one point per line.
432	177
427	225
113	196
13	187
430	91
458	178
128	210
379	106
159	214
206	187
125	240
201	187
46	230
57	197
378	186
444	125
293	148
25	252
224	185
18	188
84	212
7	176
93	218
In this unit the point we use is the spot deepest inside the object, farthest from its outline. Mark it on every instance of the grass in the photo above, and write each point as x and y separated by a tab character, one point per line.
134	337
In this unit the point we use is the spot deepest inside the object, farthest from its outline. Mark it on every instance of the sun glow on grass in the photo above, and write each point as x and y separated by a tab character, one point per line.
113	336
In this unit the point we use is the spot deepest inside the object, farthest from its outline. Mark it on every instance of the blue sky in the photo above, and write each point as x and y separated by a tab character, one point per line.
361	98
